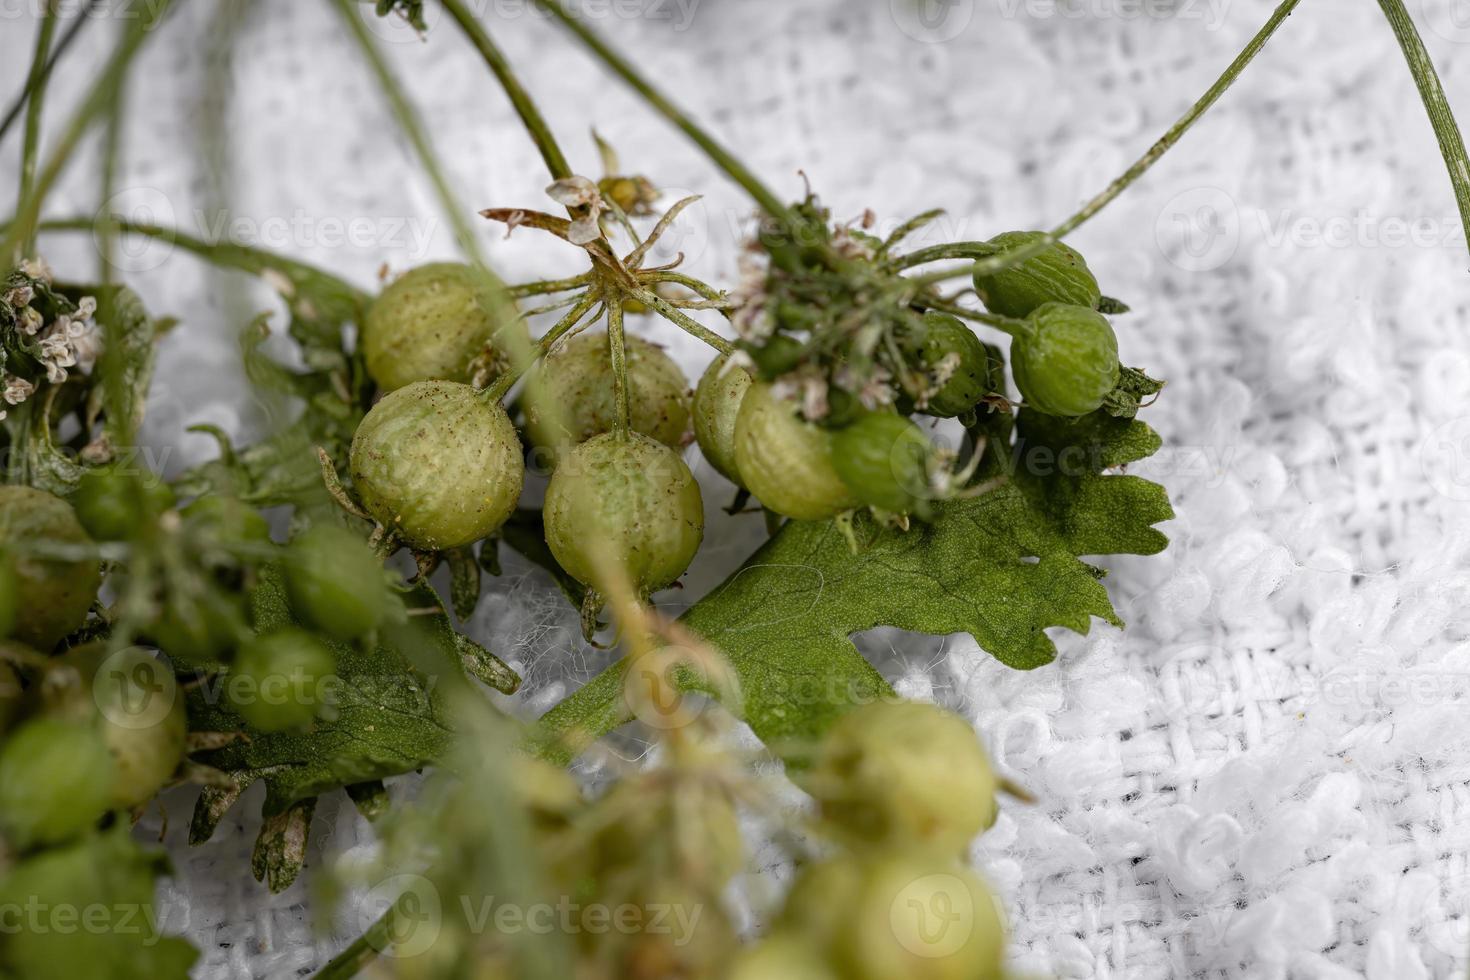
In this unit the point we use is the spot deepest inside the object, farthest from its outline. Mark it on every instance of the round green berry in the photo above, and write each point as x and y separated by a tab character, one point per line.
281	681
883	458
56	780
717	401
1065	361
53	595
569	394
113	503
891	772
225	521
951	346
784	956
1058	274
438	464
428	325
785	461
198	628
625	502
335	582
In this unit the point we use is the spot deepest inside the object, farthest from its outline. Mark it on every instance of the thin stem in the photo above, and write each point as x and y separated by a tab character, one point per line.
1006	260
539	349
952	250
1005	324
534	122
549	286
36	86
364	950
96	100
21	101
722	158
1441	116
686	323
688	282
617	354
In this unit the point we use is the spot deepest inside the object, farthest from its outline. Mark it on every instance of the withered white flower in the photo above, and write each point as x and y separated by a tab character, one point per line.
31	321
16	390
579	192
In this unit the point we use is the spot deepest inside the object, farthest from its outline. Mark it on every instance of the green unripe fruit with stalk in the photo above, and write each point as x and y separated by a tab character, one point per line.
949	341
226	521
569	394
113	504
883	458
717	401
626	503
1059	274
437	464
428	325
198	628
130	697
904	772
52	594
335	582
279	681
785	461
56	780
1065	360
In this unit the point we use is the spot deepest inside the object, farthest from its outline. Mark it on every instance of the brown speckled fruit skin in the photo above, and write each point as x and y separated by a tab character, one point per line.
438	464
717	402
630	501
569	394
427	326
53	596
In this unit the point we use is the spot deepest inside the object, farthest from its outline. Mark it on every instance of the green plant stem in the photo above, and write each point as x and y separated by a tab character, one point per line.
722	158
681	320
83	18
1005	260
1441	116
539	349
549	286
36	86
97	99
940	253
364	949
617	354
534	122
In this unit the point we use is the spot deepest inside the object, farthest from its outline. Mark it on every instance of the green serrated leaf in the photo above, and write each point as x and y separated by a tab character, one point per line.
1134	391
89	909
390	715
1004	567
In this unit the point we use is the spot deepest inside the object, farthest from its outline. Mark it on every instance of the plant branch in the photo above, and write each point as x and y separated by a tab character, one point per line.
531	117
1441	116
681	320
539	349
36	86
617	354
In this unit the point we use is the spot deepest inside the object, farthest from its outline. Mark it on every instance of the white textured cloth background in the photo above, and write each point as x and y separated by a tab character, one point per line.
1268	773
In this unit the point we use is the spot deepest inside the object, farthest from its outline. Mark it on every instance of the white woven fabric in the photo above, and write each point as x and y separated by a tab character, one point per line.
1266	775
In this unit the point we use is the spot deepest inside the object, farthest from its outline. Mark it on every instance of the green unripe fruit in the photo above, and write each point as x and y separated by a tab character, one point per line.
1066	361
946	336
198	629
883	458
12	695
780	354
335	582
783	956
131	698
113	504
1057	275
888	773
717	402
281	681
819	900
9	596
438	464
694	828
919	914
53	596
427	325
569	394
630	502
785	461
226	520
56	780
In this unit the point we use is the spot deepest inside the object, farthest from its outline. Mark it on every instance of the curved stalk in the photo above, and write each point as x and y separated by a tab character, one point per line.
531	116
540	348
681	320
1441	116
93	104
620	66
36	87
